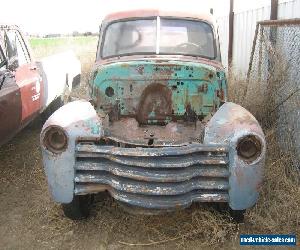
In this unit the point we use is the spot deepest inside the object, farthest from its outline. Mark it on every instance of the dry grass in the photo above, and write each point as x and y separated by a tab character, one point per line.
278	208
31	220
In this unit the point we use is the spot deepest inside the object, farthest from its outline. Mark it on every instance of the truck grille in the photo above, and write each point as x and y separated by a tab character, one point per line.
154	178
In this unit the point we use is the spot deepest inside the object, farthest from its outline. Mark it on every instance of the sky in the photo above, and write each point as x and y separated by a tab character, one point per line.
66	16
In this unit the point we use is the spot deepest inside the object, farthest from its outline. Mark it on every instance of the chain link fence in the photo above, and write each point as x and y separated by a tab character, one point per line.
273	88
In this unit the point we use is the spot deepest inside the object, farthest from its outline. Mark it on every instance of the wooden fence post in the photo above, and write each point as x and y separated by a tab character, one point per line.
231	31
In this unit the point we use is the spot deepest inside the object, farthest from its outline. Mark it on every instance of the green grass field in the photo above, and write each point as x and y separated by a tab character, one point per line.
58	41
46	46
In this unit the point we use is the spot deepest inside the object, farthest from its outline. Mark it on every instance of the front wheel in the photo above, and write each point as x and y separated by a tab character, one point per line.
79	208
237	215
56	104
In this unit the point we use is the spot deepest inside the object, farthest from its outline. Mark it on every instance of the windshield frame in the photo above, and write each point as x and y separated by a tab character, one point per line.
2	56
103	37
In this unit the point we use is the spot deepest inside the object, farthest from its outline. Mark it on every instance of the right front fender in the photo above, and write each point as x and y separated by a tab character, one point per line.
77	118
230	124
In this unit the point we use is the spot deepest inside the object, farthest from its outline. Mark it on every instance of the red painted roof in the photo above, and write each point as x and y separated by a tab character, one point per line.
156	12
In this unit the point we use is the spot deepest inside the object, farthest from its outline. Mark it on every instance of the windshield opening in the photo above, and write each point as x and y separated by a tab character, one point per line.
137	36
159	36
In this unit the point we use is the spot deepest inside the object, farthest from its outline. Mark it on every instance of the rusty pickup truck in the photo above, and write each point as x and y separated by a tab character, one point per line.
29	88
158	133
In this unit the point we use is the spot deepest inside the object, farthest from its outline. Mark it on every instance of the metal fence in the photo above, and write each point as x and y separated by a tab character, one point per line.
273	92
244	30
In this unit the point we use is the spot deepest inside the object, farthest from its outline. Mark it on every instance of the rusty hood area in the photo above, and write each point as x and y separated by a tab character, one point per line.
157	92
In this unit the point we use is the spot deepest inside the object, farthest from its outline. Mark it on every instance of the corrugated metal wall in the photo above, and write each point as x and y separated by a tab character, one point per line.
223	30
289	9
244	29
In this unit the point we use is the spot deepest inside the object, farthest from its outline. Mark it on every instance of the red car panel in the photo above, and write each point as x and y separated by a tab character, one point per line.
10	109
30	84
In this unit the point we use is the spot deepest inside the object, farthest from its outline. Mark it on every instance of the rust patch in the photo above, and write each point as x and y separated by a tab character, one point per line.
220	94
115	113
190	115
140	69
203	88
125	65
93	188
129	130
155	104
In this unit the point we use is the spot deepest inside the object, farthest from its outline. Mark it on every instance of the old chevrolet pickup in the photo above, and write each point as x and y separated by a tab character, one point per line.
158	133
29	88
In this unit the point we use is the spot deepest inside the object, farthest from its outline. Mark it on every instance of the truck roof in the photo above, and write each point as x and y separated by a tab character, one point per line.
140	13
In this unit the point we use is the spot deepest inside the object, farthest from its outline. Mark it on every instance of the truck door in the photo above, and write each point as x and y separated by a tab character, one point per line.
26	74
10	102
10	108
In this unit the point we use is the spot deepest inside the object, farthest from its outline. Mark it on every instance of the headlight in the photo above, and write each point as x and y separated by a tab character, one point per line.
249	148
55	140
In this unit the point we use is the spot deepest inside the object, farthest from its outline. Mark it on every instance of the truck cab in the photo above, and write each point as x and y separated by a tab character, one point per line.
158	133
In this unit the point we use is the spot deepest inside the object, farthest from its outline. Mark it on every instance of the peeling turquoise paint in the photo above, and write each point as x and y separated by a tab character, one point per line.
191	83
94	127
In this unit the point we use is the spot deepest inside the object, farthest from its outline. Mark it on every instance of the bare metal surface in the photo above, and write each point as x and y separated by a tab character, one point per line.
185	174
141	161
161	203
173	133
150	188
157	175
98	151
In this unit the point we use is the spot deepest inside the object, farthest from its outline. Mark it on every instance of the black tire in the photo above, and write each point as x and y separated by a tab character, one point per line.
237	215
55	105
79	208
